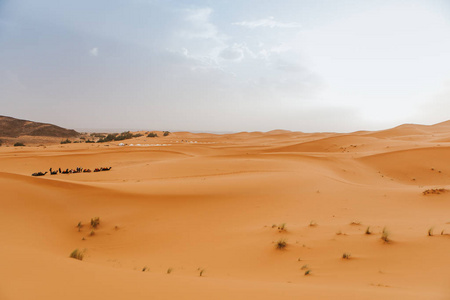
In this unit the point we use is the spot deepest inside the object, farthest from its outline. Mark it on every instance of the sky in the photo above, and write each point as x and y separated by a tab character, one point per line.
226	66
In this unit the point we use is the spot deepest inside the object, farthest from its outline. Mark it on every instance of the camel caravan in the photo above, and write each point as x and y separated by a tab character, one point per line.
70	171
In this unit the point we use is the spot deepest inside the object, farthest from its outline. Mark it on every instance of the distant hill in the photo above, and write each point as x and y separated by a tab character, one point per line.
12	127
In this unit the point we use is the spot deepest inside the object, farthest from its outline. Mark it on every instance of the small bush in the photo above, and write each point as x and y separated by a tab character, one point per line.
89	141
430	231
166	133
169	270
346	255
281	244
368	230
77	254
109	138
312	224
385	235
308	272
152	134
18	144
282	227
434	191
125	136
201	272
95	222
66	141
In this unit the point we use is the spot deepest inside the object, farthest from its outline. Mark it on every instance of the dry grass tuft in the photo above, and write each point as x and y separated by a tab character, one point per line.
95	222
281	244
77	254
312	224
434	191
385	235
282	227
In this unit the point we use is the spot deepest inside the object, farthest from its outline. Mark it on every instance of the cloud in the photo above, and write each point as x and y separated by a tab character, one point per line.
233	53
93	51
200	26
267	22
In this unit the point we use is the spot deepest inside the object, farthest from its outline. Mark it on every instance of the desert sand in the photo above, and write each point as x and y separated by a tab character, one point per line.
177	207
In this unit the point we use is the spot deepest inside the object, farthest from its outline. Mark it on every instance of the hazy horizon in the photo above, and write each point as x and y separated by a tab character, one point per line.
203	66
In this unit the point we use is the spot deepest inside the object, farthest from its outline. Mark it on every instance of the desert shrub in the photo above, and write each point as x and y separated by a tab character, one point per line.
281	244
166	133
434	191
169	270
123	136
89	141
77	254
152	134
346	255
66	141
385	235
201	272
430	231
18	144
307	272
79	226
137	135
368	230
110	137
95	222
282	227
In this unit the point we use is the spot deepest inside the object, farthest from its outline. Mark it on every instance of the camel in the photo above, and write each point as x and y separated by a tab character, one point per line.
39	174
87	171
105	169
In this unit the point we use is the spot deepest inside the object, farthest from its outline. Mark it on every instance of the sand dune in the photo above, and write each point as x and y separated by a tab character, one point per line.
169	213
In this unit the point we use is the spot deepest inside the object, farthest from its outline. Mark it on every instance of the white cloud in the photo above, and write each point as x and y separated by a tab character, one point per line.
200	25
93	51
267	22
232	53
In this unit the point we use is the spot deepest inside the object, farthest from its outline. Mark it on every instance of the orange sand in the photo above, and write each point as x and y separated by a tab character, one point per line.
209	203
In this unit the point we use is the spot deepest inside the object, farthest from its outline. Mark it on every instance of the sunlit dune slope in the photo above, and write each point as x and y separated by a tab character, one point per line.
202	217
